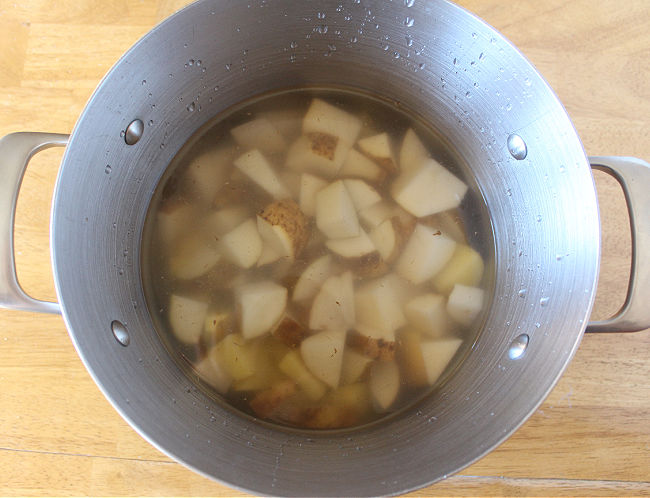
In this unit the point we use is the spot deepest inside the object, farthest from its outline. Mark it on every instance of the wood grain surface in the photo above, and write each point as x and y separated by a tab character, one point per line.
59	436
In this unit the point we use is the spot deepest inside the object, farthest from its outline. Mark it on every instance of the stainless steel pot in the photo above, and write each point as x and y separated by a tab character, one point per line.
457	73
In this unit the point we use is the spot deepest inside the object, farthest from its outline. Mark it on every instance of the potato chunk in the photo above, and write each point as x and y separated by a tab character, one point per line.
425	254
465	303
354	365
410	358
412	153
318	153
322	117
335	213
284	228
362	194
428	314
376	307
207	173
261	305
242	245
333	306
378	149
323	355
352	247
465	267
384	383
259	134
356	165
290	332
186	317
192	257
311	280
437	354
212	372
264	403
237	357
428	190
254	165
310	185
294	367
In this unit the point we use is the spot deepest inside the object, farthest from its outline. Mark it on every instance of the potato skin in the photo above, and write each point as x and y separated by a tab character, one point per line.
287	214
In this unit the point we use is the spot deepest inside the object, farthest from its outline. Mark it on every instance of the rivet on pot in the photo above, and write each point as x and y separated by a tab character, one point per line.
517	147
134	132
120	333
518	346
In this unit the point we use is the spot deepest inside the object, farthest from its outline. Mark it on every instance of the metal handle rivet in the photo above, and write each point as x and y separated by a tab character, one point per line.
120	333
518	347
134	132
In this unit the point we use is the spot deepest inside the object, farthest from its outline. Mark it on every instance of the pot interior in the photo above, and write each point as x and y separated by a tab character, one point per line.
435	59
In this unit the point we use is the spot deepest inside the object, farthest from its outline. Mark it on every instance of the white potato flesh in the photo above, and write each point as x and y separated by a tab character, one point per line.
192	257
429	189
377	308
333	306
222	221
309	154
207	173
356	165
310	185
425	254
403	289
384	383
384	239
373	216
428	314
293	366
269	255
335	213
276	238
242	245
211	371
378	147
362	194
261	305
353	367
352	247
437	354
323	355
259	134
311	280
254	165
465	303
412	153
322	117
187	317
171	221
465	267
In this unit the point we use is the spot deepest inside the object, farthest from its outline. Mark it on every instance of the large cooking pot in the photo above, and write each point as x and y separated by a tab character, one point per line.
458	74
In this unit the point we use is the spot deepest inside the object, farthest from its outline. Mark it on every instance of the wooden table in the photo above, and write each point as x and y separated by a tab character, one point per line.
59	436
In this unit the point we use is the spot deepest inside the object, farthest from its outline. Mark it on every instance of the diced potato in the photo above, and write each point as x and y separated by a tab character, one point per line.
354	365
335	213
212	372
428	190
375	215
310	185
242	245
342	407
294	367
311	280
410	358
207	173
266	402
370	265
449	223
266	373
259	134
465	267
290	332
425	254
465	303
284	228
428	314
384	383
352	247
172	221
356	165
286	121
376	307
268	255
318	153
403	289
322	117
261	305
333	306
437	354
224	220
323	355
186	318
375	344
384	239
412	153
237	357
362	194
378	148
192	257
254	165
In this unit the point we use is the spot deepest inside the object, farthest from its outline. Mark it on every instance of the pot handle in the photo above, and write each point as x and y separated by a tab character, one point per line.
634	177
16	149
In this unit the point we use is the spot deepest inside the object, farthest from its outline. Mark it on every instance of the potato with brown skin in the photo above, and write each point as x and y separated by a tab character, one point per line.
375	348
265	402
323	144
290	332
287	226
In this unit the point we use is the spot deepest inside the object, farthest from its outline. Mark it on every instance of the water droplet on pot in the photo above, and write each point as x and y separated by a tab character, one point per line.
522	292
538	218
474	35
517	147
191	106
107	169
293	44
144	82
228	66
543	301
409	3
409	21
